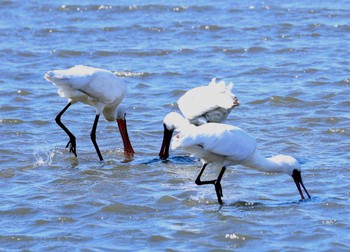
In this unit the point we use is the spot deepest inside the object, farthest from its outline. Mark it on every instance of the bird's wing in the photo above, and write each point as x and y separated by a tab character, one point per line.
101	85
105	87
74	78
221	139
201	100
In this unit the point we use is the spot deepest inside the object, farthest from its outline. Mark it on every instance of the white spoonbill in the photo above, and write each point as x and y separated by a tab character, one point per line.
227	145
200	105
96	87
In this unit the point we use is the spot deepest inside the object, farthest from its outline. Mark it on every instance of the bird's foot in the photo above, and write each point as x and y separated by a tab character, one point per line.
72	146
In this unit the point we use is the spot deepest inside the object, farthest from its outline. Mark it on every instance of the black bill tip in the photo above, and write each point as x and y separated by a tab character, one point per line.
164	150
299	183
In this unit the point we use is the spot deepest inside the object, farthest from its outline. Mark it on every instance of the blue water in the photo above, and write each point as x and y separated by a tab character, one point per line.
290	66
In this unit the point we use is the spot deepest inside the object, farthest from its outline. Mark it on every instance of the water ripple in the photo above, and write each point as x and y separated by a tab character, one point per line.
11	121
289	65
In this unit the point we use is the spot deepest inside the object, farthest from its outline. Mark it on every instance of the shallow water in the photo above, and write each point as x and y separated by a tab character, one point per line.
290	66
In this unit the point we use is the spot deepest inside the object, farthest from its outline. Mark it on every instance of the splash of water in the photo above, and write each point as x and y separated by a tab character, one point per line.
43	156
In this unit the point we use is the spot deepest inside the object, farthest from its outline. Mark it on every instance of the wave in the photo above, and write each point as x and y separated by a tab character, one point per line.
284	101
253	49
126	8
11	121
128	53
135	53
132	74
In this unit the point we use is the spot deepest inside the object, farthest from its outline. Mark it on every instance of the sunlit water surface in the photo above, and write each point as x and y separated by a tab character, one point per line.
290	66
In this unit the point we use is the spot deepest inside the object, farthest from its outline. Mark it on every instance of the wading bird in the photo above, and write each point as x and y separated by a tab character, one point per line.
200	105
226	145
96	87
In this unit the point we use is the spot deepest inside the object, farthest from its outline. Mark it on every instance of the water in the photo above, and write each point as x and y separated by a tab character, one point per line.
290	65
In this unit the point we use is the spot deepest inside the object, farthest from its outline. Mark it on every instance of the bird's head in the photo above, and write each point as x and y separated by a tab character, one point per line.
290	166
172	121
235	100
230	100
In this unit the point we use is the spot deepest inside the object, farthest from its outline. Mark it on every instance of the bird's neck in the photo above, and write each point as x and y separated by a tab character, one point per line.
184	125
260	163
113	113
109	114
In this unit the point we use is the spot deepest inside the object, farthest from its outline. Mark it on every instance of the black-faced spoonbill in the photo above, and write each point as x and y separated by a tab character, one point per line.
226	145
200	105
96	87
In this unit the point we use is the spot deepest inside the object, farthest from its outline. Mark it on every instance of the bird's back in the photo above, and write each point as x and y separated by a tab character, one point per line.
213	102
75	77
83	83
225	141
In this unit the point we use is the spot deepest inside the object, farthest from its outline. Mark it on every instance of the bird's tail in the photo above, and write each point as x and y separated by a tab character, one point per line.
57	78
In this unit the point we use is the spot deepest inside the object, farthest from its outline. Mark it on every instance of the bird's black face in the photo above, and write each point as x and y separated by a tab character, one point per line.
299	183
235	102
164	150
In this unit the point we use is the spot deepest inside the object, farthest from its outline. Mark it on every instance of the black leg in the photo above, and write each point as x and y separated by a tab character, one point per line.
198	179
215	182
71	141
218	187
93	137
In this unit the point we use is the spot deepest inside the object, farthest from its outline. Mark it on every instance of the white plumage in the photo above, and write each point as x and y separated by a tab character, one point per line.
97	87
211	103
200	105
226	145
